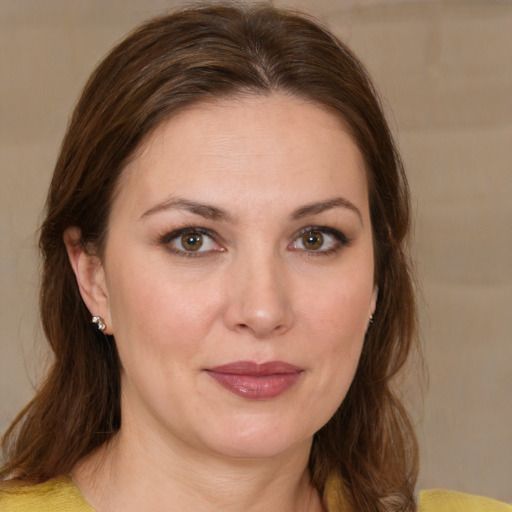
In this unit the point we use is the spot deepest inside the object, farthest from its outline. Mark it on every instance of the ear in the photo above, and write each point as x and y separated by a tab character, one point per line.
90	276
373	302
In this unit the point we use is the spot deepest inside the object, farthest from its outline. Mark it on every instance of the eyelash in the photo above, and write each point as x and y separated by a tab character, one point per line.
341	240
167	238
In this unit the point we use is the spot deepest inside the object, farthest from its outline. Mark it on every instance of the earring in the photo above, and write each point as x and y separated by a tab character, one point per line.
371	319
99	323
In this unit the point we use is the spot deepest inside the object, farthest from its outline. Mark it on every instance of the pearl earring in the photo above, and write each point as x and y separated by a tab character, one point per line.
100	323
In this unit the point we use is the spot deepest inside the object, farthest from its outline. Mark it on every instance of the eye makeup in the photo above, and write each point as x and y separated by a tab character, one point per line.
196	241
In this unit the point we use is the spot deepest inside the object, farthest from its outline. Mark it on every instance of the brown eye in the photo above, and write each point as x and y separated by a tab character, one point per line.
319	241
312	240
192	241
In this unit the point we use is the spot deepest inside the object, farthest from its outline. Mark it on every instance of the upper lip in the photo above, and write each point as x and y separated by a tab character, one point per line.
256	369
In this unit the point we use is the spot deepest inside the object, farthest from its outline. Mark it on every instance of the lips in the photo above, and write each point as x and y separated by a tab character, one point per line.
256	381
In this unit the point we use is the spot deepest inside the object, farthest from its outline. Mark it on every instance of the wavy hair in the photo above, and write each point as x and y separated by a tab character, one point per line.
164	66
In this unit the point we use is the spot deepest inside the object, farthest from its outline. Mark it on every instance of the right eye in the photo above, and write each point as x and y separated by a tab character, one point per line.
191	242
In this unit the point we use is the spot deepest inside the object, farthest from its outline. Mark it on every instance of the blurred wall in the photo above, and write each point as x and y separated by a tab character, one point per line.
444	69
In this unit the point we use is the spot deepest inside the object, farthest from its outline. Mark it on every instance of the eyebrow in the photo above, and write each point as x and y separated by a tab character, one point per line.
316	208
215	213
204	210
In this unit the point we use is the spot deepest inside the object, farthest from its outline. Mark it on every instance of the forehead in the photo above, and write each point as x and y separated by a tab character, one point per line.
246	150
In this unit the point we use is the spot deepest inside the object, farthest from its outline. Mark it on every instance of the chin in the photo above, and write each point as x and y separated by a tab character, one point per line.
255	442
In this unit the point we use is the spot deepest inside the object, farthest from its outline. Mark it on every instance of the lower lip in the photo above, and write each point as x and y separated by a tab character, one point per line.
256	387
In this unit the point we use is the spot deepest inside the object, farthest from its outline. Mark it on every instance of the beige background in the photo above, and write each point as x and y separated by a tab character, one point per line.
445	71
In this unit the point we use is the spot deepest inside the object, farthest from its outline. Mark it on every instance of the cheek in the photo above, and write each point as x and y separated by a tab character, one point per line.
155	311
336	322
341	309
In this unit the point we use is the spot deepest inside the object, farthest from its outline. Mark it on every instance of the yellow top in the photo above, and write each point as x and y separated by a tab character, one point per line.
62	495
450	501
57	495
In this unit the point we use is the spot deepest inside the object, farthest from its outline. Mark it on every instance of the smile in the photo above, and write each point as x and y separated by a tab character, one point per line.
256	381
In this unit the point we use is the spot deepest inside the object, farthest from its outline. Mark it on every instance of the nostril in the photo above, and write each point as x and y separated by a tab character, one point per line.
263	327
258	300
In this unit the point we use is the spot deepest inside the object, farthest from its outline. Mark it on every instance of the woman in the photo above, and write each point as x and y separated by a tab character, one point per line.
226	285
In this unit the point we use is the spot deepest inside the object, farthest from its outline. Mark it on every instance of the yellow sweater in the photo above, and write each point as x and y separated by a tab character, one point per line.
62	495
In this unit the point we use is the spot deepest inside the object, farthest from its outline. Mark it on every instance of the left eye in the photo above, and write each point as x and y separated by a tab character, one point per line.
316	240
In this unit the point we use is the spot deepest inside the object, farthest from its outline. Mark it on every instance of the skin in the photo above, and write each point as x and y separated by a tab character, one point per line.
254	291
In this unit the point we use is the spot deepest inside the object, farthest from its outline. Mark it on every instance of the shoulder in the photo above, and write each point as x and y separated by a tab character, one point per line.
57	495
451	501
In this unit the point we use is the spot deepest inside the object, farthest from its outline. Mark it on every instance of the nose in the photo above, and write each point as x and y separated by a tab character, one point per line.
260	297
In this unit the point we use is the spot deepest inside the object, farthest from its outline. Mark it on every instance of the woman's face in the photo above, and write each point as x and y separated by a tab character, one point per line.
238	276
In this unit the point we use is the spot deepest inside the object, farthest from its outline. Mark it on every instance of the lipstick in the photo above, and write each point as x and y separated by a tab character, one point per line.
256	381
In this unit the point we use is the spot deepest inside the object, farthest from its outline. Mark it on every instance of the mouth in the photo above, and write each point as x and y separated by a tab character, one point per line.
255	381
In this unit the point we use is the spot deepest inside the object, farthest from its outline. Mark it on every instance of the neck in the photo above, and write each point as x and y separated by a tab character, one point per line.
141	472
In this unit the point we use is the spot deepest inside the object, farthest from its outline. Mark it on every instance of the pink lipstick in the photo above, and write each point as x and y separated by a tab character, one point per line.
256	381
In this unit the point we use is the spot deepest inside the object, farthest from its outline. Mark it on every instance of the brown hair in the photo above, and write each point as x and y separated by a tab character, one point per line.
164	66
